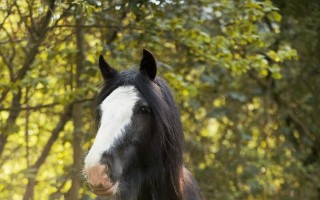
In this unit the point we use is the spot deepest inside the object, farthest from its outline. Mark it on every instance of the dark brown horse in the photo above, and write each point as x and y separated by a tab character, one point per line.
138	150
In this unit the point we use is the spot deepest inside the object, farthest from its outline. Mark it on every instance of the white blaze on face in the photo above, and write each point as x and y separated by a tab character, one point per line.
116	111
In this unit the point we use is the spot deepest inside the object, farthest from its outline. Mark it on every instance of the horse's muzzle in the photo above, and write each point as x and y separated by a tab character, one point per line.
99	181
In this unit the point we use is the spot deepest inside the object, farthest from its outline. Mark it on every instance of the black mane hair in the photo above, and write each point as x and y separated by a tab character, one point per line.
168	135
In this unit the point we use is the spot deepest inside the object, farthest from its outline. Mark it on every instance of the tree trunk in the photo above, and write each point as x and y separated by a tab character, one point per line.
73	193
64	118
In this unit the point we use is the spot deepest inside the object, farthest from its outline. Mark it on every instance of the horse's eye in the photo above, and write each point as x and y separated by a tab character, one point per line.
144	109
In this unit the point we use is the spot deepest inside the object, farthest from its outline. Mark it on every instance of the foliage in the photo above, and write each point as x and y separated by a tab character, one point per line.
245	74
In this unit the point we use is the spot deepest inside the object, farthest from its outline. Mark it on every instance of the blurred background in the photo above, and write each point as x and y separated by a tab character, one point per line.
245	73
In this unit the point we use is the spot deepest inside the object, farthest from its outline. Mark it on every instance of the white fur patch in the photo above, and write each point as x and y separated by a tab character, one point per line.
116	112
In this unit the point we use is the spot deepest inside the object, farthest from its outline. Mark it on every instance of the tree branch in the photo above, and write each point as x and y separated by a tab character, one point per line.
38	107
4	132
9	126
8	13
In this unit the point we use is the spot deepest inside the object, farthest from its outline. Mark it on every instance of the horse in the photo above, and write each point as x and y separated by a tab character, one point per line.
137	153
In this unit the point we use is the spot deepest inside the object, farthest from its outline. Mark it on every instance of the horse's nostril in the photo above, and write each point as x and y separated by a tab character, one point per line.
107	160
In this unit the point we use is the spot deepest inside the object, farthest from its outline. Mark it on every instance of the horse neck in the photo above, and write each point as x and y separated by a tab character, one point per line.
163	185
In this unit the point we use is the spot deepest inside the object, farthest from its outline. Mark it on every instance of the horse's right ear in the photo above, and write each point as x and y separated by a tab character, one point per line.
106	70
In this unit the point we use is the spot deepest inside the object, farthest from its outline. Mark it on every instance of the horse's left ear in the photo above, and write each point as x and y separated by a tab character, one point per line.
148	65
106	70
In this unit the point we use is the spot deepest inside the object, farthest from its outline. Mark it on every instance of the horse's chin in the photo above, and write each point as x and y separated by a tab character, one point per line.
106	191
